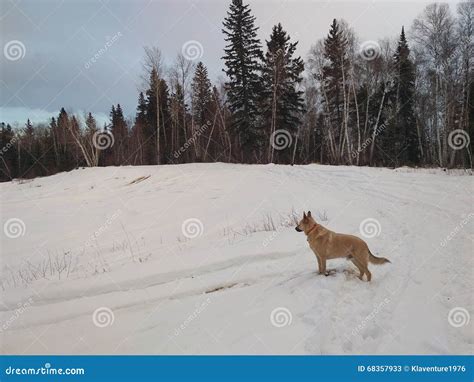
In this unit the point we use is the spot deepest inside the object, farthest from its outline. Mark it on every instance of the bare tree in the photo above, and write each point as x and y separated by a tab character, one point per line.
434	33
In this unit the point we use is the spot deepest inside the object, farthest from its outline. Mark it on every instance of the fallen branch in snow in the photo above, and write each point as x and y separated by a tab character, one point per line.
138	180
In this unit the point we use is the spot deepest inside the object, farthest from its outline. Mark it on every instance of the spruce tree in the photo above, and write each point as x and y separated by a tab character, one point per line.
141	110
242	57
120	135
201	95
137	133
333	74
8	153
164	119
403	91
150	141
201	98
64	141
283	103
178	127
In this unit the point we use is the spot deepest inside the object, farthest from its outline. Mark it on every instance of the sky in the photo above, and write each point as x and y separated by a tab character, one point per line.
86	55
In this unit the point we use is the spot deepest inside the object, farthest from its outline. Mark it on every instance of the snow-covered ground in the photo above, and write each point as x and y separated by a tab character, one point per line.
204	258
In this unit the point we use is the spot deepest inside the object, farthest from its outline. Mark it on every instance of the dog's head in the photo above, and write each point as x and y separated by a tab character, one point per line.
306	223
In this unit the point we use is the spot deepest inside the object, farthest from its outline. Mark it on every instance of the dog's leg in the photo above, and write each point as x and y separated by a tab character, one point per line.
365	266
322	269
319	264
367	272
360	267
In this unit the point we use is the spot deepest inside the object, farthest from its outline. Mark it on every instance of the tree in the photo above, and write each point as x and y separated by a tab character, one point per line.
119	130
180	75
178	118
63	139
152	78
437	47
8	153
402	125
92	151
334	74
283	103
201	101
465	32
138	136
242	58
152	140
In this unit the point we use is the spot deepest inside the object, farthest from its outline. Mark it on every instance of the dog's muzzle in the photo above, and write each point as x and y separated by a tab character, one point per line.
298	230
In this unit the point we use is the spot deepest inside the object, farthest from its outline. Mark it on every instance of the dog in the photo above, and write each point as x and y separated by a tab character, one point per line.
327	244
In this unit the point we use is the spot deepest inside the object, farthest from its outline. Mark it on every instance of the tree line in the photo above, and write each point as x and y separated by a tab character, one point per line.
386	103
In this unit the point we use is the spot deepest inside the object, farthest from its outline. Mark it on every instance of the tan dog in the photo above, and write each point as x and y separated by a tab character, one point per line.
327	244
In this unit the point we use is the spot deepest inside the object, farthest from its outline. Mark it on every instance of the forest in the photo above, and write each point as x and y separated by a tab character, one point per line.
405	100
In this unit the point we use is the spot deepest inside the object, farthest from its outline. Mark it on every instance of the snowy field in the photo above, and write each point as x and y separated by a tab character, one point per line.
204	259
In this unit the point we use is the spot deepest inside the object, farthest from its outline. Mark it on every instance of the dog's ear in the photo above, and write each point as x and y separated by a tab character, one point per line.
304	215
309	214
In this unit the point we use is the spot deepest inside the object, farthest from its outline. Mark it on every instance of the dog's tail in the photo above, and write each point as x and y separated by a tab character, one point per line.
377	260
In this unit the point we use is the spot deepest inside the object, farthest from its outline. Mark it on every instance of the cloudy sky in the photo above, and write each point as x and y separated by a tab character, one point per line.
49	45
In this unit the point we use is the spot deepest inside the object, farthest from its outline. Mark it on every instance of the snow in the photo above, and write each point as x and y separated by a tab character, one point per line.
135	280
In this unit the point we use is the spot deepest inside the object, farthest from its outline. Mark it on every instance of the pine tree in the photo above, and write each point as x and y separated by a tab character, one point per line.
242	60
201	98
283	103
74	150
164	113
91	149
178	127
333	76
138	132
119	132
64	141
91	125
201	95
150	142
157	132
141	110
27	159
403	91
8	153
